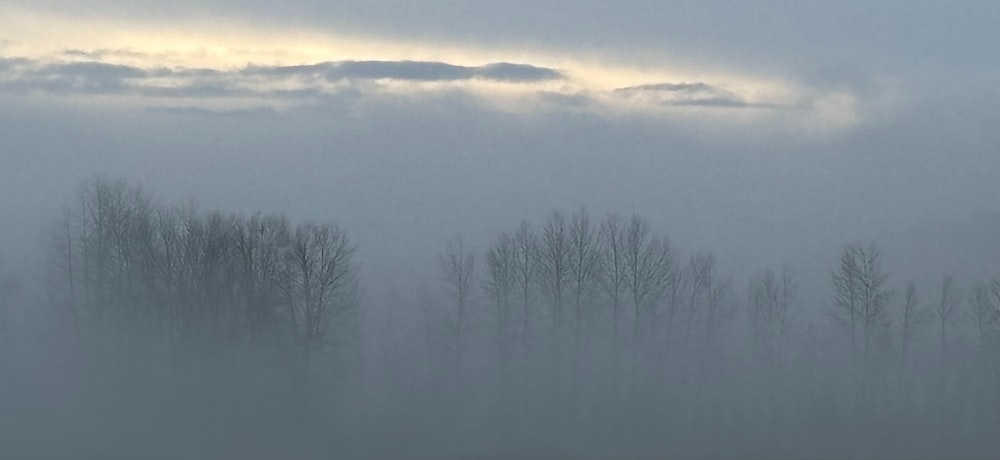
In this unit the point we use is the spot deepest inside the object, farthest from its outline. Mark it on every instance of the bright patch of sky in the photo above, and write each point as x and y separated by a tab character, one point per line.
237	66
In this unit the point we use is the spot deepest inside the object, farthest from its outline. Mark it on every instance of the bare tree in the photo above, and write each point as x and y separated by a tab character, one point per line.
500	285
526	276
648	265
584	268
63	266
554	265
860	300
771	299
771	308
318	283
458	266
698	276
984	304
104	252
613	278
260	243
716	307
946	308
910	317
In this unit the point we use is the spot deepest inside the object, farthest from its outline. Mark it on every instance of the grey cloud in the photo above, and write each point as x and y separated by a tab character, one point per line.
402	70
917	38
75	77
698	94
96	70
716	102
8	64
223	88
95	77
196	90
518	72
184	72
425	71
245	113
310	70
686	88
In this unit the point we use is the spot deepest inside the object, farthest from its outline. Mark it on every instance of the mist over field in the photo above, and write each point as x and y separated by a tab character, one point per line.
466	230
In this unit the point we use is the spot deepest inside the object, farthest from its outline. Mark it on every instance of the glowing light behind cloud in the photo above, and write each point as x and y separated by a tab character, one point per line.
224	52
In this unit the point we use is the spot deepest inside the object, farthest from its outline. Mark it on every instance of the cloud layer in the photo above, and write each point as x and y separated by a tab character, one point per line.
97	77
159	81
690	94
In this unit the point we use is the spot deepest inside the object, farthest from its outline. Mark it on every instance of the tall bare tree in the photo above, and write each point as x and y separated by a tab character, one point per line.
772	300
984	305
584	268
947	306
458	266
318	284
716	296
500	286
526	277
260	242
648	265
771	303
910	317
612	237
554	274
860	300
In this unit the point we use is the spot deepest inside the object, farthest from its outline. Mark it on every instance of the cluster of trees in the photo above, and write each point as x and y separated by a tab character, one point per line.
572	332
170	287
592	326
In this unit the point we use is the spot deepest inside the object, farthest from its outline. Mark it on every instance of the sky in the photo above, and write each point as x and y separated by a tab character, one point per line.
768	132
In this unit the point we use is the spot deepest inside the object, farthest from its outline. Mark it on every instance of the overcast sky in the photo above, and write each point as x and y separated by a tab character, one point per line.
768	132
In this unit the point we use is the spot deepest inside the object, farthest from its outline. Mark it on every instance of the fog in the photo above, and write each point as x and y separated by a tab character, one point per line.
161	330
577	230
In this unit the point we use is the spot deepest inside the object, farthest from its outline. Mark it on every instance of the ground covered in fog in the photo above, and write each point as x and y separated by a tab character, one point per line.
167	331
444	230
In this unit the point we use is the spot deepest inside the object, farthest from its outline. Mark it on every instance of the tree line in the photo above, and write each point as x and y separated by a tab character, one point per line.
573	330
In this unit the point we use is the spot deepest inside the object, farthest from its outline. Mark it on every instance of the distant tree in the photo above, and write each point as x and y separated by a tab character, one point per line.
772	300
318	285
648	264
526	270
458	266
716	296
101	257
984	305
585	270
554	274
698	274
771	309
946	310
260	244
500	285
911	317
861	300
62	269
612	279
948	303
